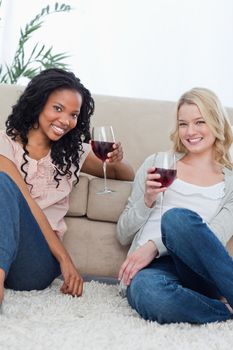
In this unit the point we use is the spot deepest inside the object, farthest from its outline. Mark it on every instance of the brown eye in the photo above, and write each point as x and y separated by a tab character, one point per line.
75	115
57	108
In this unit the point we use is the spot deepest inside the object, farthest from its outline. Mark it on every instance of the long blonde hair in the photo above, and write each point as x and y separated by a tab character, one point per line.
215	117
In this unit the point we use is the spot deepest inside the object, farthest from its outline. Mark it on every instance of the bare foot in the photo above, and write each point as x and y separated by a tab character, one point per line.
2	278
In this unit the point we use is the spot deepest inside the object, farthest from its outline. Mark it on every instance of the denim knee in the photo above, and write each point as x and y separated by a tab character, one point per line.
177	217
177	222
4	177
8	188
6	181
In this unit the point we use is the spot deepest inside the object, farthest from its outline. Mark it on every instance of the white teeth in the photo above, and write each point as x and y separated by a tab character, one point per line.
58	130
196	140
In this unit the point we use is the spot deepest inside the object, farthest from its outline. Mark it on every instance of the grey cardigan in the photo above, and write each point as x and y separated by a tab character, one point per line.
132	220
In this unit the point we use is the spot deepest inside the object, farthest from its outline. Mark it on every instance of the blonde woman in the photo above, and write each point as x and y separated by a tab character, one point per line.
178	269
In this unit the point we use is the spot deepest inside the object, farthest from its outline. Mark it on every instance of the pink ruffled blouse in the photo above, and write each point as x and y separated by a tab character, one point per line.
53	201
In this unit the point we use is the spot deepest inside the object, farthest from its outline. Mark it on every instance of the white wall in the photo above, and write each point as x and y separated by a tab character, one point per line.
151	48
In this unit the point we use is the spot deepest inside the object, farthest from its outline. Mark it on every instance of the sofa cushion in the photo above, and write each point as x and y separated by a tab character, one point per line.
78	198
107	207
93	247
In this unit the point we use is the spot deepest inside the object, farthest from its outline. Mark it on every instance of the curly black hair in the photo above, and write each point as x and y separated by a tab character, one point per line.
25	115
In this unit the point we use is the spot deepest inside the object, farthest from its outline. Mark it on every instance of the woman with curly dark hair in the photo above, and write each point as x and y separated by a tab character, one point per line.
41	154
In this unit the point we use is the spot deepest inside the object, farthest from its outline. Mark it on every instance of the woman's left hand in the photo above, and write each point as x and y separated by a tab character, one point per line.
136	261
117	154
73	282
117	168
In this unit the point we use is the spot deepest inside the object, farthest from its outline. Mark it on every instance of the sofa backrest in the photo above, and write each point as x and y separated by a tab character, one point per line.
143	126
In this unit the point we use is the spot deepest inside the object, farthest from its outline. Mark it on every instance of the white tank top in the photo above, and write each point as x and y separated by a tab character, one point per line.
203	200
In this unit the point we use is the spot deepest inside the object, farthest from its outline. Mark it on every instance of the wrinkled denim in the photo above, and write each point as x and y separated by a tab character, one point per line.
24	253
185	286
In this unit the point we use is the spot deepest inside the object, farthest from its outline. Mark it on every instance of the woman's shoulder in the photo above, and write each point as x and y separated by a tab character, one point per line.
15	144
228	171
147	163
228	174
3	134
150	158
228	177
6	140
9	148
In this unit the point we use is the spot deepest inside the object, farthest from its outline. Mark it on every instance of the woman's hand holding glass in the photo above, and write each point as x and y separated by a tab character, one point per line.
116	155
165	169
105	148
152	187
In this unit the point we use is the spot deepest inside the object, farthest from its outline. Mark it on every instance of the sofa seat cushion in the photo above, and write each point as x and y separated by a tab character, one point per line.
107	207
78	198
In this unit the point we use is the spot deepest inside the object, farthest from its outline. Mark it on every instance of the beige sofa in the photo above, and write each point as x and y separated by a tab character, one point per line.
143	127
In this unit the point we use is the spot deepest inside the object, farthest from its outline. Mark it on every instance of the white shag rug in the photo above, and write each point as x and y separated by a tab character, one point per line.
99	320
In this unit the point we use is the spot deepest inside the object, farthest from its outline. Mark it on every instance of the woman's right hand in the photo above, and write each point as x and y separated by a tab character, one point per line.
136	261
152	187
73	282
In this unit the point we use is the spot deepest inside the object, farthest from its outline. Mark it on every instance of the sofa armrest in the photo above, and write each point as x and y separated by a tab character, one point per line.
107	207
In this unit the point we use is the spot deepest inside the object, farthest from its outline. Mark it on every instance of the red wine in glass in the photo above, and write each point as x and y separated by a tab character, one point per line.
167	176
102	141
101	149
165	165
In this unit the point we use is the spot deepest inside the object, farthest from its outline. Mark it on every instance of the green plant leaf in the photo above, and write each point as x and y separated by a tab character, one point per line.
39	58
40	52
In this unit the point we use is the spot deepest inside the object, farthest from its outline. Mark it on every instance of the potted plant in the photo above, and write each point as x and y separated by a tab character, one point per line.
40	57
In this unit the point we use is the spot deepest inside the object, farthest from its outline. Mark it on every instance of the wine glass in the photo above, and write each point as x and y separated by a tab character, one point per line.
165	165
102	142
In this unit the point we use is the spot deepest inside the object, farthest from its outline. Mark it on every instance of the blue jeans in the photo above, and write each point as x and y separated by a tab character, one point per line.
185	285
24	253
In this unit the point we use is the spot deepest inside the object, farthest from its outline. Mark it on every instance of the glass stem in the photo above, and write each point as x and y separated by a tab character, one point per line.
105	177
161	205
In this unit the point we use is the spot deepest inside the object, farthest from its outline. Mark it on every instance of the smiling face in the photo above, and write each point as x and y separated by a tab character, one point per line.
60	114
194	133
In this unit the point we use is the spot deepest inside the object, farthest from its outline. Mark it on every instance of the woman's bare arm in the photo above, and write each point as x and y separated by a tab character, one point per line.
69	271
